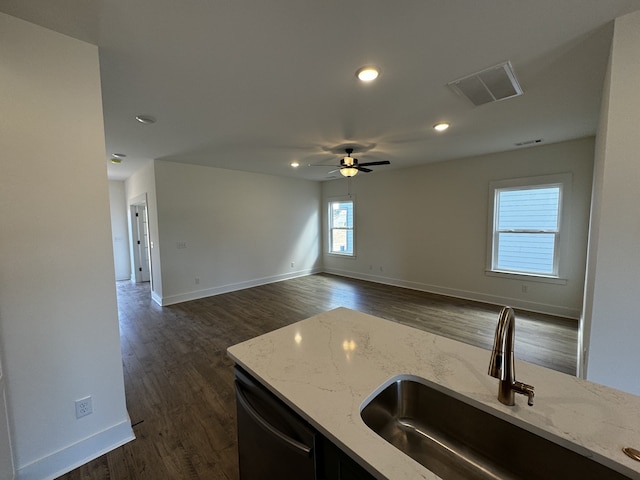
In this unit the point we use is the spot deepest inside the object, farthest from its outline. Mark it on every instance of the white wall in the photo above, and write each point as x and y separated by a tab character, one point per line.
142	184
611	326
426	227
232	229
119	230
58	313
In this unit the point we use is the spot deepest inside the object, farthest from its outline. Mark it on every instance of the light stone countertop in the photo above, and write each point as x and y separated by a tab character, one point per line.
326	366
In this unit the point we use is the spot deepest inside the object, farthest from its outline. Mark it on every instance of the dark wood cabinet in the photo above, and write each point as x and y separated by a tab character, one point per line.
337	465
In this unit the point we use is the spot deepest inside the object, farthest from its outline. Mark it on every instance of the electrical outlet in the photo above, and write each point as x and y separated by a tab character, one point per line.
293	264
84	407
197	281
525	289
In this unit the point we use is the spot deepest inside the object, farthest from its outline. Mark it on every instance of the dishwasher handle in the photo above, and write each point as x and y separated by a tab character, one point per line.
290	442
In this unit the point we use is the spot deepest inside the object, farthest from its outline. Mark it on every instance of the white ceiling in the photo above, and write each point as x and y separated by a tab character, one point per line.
254	85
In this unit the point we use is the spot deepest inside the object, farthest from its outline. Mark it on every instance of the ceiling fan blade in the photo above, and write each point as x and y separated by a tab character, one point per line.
333	171
362	169
382	162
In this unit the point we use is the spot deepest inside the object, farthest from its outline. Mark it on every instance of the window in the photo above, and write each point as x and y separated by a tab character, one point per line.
526	225
341	227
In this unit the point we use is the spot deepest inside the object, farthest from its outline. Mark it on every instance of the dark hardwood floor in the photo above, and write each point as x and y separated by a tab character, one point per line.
179	381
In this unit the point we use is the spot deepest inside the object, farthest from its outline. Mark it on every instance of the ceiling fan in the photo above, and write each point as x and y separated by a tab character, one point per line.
349	166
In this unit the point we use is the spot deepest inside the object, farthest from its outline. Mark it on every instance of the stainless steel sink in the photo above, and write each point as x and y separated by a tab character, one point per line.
458	441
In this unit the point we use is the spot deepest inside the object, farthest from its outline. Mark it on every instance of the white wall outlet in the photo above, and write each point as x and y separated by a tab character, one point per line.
197	281
84	407
293	264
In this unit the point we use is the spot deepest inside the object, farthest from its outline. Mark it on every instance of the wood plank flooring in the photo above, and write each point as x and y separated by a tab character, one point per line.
179	381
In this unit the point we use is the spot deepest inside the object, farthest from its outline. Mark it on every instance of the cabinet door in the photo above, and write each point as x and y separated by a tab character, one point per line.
337	465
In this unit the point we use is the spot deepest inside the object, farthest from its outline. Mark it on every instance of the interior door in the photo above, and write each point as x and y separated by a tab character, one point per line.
140	230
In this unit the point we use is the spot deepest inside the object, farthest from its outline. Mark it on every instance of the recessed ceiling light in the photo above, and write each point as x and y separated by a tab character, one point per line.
295	164
441	127
118	155
116	160
368	74
146	119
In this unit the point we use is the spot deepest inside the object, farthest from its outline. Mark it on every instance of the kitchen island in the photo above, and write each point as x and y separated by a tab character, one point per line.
327	366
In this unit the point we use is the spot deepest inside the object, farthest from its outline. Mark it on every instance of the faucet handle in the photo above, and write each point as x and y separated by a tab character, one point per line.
525	389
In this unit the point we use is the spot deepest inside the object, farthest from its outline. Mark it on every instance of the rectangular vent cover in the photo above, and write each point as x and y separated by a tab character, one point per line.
490	85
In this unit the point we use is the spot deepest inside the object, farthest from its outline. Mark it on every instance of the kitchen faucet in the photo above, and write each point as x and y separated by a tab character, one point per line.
502	365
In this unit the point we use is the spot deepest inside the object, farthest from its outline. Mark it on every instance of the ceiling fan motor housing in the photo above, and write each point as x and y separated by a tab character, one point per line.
348	161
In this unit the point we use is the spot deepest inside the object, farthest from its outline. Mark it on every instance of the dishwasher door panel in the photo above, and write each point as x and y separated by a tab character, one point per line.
273	441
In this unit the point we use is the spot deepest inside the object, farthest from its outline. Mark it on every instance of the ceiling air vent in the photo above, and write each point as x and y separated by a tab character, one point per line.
490	85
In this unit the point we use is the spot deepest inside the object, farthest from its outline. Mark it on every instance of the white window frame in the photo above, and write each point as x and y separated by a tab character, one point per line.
330	227
563	181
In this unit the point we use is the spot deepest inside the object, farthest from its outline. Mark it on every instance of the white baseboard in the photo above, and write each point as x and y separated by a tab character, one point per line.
556	310
232	287
156	298
78	454
463	294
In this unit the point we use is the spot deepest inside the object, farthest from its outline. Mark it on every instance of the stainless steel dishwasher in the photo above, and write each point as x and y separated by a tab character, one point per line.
273	441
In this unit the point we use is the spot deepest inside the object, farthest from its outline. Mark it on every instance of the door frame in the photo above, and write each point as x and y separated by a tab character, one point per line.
134	203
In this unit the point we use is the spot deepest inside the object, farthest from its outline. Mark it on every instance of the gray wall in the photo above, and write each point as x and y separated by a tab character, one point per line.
427	227
611	326
58	314
119	230
221	230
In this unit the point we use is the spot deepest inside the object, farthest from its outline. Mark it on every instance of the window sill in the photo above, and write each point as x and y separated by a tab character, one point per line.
342	255
527	277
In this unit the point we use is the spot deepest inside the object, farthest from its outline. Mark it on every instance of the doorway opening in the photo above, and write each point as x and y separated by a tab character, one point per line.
140	244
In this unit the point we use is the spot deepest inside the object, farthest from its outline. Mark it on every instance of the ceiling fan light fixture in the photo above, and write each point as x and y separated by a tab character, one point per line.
368	73
348	171
349	166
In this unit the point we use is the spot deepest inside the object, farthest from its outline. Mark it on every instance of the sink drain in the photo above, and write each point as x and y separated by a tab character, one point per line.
632	452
